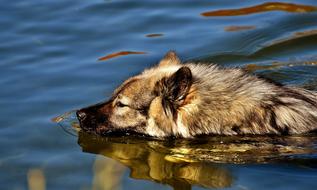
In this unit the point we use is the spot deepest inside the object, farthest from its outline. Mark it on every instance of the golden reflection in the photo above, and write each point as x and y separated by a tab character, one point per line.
107	174
121	53
36	179
269	6
255	67
306	34
183	163
276	65
62	117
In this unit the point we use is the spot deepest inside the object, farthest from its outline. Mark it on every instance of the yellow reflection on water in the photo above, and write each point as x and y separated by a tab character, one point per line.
107	174
36	179
278	64
182	163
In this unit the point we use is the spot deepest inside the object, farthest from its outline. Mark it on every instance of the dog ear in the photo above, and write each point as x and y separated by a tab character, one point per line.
170	58
176	87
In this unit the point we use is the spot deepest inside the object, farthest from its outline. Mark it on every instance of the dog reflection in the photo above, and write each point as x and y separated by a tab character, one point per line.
148	161
182	163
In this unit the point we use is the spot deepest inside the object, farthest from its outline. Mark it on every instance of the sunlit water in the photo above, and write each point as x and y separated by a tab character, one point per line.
49	65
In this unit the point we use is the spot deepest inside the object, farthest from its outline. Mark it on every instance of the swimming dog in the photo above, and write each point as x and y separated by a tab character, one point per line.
190	99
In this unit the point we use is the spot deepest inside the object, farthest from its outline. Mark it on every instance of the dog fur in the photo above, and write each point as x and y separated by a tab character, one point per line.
189	99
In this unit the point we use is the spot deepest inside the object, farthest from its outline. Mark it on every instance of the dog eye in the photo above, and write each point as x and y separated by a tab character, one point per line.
120	104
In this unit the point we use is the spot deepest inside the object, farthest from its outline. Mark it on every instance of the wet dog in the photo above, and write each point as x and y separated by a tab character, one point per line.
186	99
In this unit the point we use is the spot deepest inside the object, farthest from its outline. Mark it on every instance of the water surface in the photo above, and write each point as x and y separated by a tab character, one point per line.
49	65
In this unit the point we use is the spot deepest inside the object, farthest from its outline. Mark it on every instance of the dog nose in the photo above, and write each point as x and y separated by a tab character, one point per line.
81	115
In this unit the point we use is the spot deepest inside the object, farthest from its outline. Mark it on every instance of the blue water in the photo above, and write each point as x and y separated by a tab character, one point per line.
49	65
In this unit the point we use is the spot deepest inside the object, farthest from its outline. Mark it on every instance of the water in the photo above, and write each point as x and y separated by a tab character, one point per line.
49	65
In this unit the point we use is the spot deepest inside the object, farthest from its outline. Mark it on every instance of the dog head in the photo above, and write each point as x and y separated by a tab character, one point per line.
147	103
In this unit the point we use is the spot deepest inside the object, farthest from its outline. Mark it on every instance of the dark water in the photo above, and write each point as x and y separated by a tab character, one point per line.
49	65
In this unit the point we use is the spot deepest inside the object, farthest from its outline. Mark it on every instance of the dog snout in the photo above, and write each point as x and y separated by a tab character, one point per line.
92	117
87	120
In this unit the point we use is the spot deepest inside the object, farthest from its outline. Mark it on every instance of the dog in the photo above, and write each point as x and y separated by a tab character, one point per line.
175	99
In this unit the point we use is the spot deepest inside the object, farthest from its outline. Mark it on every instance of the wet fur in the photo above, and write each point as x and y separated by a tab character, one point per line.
186	100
